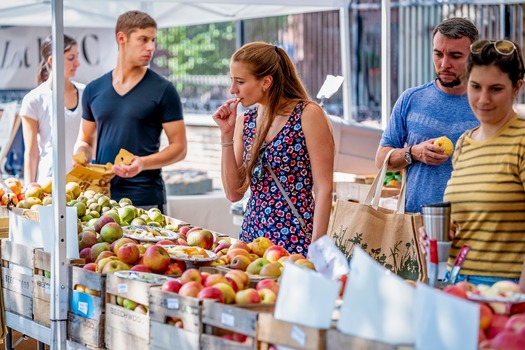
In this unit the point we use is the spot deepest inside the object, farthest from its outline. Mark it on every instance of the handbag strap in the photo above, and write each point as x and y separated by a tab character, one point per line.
374	194
285	195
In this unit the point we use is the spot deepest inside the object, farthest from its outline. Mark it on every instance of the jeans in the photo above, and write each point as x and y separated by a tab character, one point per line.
486	280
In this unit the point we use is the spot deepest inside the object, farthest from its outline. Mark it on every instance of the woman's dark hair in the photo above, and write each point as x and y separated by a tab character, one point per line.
512	64
46	50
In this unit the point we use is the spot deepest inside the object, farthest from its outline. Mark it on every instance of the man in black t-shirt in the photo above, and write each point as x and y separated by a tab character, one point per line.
128	108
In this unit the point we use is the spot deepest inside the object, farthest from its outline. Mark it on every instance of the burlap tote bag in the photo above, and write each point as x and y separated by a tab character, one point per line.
390	237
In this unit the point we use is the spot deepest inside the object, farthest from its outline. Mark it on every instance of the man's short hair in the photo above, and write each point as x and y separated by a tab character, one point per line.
130	21
457	28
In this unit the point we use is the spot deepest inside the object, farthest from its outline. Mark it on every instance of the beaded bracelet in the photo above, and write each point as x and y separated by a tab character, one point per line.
227	144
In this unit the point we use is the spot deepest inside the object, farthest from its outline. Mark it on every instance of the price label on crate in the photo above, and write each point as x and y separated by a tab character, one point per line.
298	336
122	288
47	288
228	319
172	304
83	307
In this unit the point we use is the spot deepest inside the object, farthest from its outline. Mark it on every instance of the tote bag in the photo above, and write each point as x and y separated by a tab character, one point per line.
389	236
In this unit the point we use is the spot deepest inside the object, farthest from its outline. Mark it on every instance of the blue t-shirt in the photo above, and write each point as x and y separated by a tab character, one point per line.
133	122
422	113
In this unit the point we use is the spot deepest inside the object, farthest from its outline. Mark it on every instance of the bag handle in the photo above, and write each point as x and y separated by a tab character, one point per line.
374	194
285	195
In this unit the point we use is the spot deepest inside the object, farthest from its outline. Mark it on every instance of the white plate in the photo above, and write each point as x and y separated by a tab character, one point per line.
172	249
515	298
134	232
147	277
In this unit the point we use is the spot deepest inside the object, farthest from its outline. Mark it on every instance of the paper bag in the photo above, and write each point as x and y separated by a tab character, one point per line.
94	177
388	236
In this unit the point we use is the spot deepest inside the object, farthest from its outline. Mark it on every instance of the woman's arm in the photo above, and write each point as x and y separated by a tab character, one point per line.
31	155
320	144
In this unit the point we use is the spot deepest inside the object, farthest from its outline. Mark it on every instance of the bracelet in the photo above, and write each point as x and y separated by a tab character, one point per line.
227	144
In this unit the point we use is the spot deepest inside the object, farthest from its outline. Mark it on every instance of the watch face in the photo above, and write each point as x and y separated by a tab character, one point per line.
408	157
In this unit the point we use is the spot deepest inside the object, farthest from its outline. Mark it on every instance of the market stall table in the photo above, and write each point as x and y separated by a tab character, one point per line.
210	210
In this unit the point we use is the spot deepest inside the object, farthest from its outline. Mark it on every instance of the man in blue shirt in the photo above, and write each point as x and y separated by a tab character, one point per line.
424	113
128	108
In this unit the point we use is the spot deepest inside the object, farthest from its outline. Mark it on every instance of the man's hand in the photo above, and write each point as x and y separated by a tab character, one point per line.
427	153
127	171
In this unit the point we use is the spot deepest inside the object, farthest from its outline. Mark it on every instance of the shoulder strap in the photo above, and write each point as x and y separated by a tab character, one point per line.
285	195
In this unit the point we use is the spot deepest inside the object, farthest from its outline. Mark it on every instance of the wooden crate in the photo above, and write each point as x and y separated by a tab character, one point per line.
42	286
17	278
336	340
164	305
87	311
282	333
124	327
220	319
71	345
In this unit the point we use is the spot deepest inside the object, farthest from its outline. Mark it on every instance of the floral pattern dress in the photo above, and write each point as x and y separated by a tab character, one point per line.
267	213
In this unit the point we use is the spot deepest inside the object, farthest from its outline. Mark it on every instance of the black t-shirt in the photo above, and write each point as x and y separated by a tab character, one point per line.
133	122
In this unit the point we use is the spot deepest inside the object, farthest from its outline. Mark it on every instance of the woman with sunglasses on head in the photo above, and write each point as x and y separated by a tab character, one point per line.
282	150
36	113
487	186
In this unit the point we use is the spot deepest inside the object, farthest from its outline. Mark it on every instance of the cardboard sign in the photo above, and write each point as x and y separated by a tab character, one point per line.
94	177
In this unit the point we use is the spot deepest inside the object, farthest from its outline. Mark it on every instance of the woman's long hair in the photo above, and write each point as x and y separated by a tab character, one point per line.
46	50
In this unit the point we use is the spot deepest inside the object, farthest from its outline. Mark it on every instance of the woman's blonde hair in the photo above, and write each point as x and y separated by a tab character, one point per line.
262	60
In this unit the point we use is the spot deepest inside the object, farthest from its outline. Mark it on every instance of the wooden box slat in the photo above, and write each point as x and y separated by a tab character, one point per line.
86	331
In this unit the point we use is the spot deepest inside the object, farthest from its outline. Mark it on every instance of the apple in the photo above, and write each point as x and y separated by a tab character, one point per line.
267	296
171	286
104	254
140	268
260	244
9	197
129	304
506	286
165	242
183	230
305	263
211	293
156	258
515	321
234	284
115	265
240	277
268	283
86	239
227	291
102	262
173	269
191	275
98	248
90	267
74	189
142	309
247	296
200	238
222	246
120	242
204	276
93	292
190	289
456	291
181	241
14	184
240	262
80	288
467	286
129	253
497	325
214	279
485	316
272	269
256	266
232	253
111	231
85	254
238	337
103	220
275	252
508	340
240	245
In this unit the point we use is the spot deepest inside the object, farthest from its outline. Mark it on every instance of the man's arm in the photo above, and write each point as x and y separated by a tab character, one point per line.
424	152
174	152
86	139
397	158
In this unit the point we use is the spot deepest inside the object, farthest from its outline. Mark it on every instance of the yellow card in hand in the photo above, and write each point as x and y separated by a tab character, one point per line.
123	157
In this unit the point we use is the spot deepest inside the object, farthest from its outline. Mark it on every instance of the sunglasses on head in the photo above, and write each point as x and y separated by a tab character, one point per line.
503	47
258	169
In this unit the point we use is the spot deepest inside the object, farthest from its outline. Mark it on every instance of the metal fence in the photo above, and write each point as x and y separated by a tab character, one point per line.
312	40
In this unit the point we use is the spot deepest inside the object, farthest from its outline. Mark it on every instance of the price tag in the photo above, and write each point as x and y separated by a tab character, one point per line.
172	304
298	335
83	307
47	289
122	288
228	319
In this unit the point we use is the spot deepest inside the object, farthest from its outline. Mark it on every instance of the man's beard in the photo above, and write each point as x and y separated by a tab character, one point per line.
449	84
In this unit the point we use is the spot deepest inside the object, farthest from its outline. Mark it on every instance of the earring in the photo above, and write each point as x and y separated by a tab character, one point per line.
264	89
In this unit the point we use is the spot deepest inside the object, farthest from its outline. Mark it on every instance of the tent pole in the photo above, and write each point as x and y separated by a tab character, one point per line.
59	290
385	63
344	29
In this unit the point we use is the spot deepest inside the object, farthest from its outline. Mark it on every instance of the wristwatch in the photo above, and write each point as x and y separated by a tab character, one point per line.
408	156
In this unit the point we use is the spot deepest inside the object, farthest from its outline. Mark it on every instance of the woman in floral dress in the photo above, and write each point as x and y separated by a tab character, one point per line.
284	133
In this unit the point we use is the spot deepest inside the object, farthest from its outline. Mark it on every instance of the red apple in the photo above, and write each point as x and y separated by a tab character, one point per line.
115	265
267	296
85	254
98	248
268	284
234	284
238	337
156	258
120	242
240	245
140	268
247	296
191	275
171	286
214	279
485	316
227	291
456	291
275	252
211	293
232	253
129	253
204	276
165	242
173	269
190	289
497	325
91	267
508	340
515	321
200	238
183	230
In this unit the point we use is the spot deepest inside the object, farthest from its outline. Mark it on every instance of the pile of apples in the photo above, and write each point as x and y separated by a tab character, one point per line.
259	257
132	305
230	288
501	325
27	197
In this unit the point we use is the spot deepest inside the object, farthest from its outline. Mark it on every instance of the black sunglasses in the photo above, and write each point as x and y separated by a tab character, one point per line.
258	169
